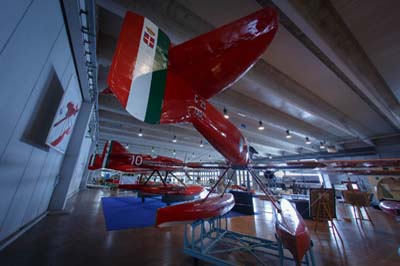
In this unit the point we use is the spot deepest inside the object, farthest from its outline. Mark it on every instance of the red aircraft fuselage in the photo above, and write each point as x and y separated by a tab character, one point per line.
116	157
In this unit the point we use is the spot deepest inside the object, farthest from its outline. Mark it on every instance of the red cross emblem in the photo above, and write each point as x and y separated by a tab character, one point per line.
148	40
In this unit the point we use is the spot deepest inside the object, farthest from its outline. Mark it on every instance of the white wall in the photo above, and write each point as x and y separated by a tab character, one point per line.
33	41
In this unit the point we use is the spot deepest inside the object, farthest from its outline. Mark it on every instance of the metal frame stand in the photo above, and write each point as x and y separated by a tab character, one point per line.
358	215
205	239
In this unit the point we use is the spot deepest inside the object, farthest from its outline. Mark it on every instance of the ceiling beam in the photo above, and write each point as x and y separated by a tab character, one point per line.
274	138
339	50
276	82
269	145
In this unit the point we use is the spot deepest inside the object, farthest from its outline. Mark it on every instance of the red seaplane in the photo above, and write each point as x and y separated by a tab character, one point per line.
160	83
116	157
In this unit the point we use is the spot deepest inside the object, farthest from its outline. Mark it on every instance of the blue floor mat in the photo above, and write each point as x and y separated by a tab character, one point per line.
129	212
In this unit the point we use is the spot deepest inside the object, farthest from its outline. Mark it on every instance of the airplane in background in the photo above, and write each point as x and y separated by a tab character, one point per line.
116	157
389	166
161	83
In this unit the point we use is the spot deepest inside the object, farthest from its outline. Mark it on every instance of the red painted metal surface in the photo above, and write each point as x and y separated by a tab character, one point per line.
376	172
121	71
292	231
161	189
390	207
391	162
199	209
215	60
368	163
197	70
120	159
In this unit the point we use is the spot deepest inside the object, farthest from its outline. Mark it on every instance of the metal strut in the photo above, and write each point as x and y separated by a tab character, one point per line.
147	180
229	182
267	193
216	184
179	180
211	241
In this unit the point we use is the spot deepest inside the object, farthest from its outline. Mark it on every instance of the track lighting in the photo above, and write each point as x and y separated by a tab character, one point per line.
140	134
226	113
174	152
152	149
174	139
308	141
201	144
260	125
288	135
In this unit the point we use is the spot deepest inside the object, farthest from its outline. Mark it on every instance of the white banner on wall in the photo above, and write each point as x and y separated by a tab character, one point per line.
65	118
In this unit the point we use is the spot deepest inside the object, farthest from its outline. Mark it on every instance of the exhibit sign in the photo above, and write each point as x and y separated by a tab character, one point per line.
65	118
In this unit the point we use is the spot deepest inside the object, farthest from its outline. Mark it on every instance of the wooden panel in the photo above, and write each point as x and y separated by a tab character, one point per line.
322	203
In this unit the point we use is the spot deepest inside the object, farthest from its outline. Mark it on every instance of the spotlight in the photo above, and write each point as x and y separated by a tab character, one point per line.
308	141
322	145
127	146
174	152
288	135
174	139
260	125
152	149
269	156
193	155
226	113
201	144
140	134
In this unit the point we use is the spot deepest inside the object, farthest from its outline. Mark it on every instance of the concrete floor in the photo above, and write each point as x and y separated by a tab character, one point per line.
80	238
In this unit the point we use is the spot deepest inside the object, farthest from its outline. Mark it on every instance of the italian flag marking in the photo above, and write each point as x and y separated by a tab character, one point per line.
149	75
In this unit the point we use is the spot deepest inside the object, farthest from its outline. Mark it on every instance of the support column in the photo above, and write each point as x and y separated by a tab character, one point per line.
86	172
60	193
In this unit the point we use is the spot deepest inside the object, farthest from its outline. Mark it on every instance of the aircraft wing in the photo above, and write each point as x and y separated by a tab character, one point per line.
215	60
391	162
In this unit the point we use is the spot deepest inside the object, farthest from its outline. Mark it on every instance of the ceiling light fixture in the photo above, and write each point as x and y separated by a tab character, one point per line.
226	113
260	125
322	145
308	141
201	144
152	149
269	156
174	152
193	155
288	135
140	134
174	139
127	146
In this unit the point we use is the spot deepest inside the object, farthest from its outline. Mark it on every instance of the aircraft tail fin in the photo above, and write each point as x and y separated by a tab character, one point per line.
144	60
138	72
98	161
